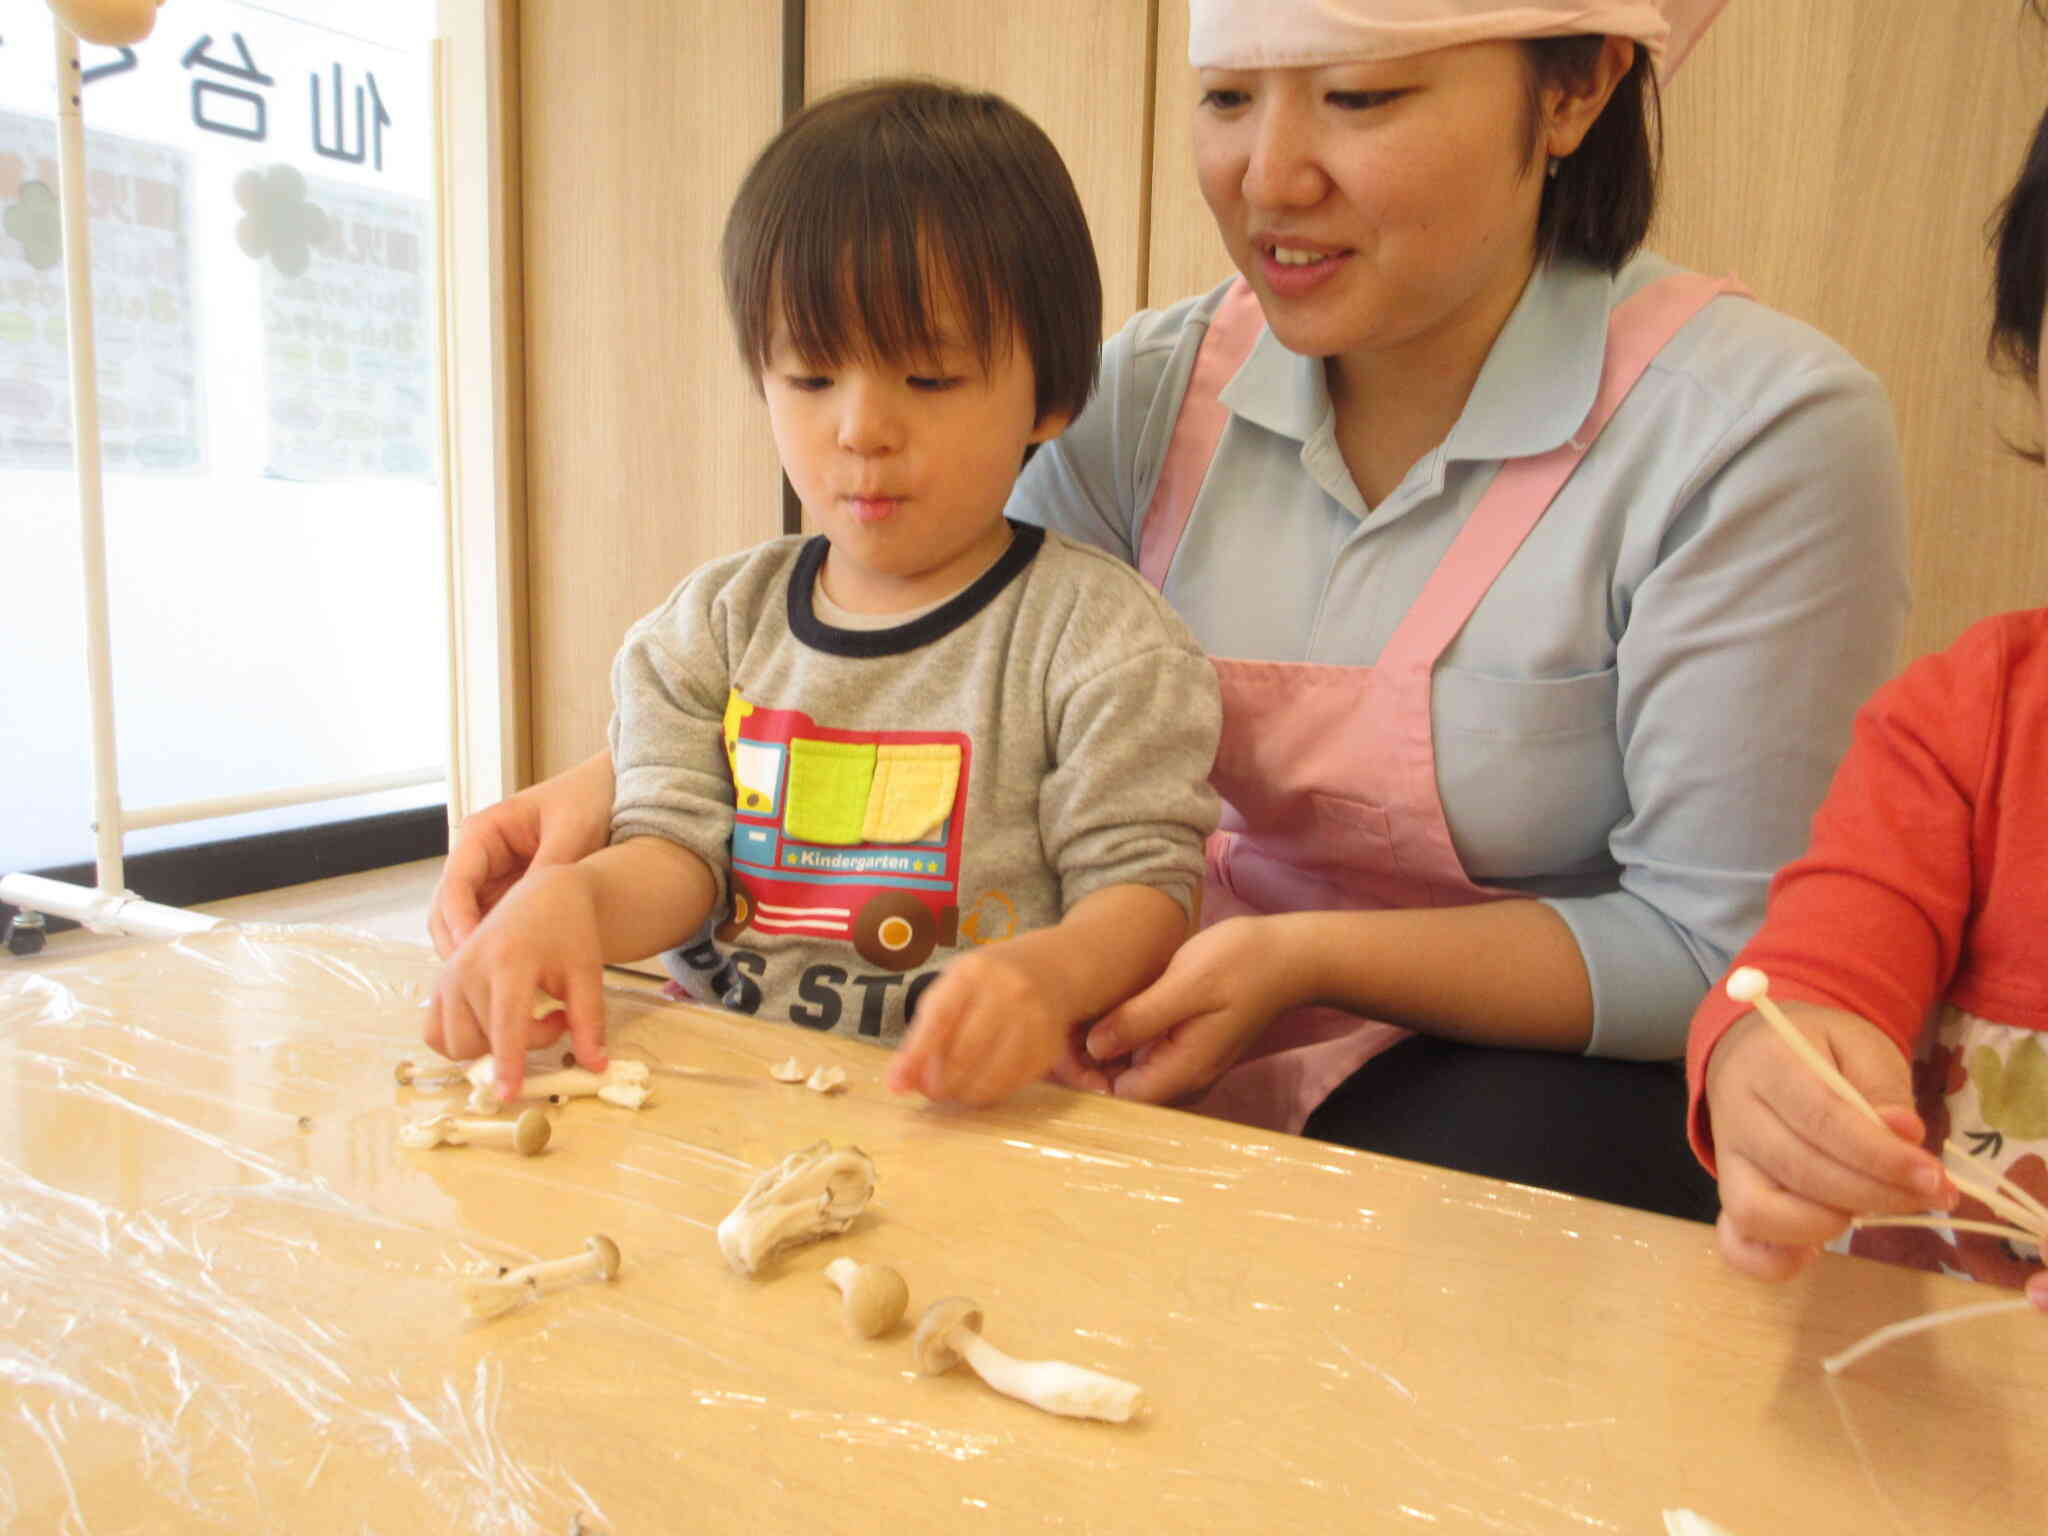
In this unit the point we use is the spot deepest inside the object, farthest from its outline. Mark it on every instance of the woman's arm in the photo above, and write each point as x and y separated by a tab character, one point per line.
1504	973
557	821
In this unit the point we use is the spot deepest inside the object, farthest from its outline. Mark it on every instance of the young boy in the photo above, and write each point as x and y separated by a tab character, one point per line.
1910	943
926	760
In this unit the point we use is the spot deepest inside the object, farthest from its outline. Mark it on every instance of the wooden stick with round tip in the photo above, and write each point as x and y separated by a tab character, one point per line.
1749	985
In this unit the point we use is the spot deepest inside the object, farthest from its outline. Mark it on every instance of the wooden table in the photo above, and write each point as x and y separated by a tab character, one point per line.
230	1296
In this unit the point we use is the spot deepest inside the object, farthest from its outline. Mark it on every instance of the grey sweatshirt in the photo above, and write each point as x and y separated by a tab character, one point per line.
873	801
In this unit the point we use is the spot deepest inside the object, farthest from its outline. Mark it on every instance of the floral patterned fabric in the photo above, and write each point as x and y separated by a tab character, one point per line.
1984	1085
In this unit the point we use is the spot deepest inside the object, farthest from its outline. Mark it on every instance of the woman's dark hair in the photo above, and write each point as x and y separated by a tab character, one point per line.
1598	206
872	198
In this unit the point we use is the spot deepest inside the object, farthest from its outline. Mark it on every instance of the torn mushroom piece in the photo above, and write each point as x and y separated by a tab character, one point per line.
873	1297
526	1135
826	1079
950	1331
426	1069
790	1071
808	1195
487	1295
622	1082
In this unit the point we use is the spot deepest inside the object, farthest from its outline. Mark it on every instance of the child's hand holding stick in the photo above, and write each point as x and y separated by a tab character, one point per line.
2030	1223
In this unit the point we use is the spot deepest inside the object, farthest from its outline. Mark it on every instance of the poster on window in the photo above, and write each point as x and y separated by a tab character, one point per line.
346	340
139	201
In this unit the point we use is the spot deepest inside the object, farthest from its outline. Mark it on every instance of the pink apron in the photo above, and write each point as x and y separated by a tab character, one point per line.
1328	773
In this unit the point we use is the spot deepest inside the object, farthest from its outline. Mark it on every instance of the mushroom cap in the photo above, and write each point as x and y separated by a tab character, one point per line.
607	1253
530	1132
931	1346
876	1297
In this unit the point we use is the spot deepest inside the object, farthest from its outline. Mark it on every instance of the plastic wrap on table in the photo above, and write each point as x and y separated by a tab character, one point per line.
230	1299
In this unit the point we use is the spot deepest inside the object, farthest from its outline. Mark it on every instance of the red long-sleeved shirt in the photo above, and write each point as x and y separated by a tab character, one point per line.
1926	879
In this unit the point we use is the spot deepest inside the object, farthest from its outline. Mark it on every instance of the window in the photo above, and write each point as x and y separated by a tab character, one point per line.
261	183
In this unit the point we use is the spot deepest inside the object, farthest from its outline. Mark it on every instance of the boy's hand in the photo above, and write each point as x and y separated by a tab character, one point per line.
987	1027
1796	1161
543	936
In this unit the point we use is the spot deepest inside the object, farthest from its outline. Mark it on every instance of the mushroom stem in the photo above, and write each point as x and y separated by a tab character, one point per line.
488	1295
622	1082
526	1135
1055	1386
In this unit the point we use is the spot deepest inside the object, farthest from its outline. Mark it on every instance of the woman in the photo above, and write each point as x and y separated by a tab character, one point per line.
1529	684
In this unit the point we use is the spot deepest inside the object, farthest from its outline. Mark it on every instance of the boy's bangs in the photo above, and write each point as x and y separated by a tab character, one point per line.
878	264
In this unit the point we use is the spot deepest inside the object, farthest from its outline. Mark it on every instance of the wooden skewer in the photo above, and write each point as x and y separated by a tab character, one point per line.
2007	1187
1953	1223
1884	1335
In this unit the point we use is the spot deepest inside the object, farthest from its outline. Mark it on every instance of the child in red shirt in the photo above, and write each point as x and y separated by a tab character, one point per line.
1910	942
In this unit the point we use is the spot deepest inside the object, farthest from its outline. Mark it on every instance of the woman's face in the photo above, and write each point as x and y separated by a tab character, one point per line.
1377	207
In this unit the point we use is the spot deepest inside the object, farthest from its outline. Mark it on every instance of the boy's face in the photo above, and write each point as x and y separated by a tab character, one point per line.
905	465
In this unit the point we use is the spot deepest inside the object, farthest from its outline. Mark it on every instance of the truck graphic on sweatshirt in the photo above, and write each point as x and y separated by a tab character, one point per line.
853	835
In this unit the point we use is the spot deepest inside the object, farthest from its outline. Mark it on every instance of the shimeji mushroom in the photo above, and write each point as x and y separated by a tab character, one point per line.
808	1195
425	1069
873	1296
488	1295
950	1331
525	1135
622	1082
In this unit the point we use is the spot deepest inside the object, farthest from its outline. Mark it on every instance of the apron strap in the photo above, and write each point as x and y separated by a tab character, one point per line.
1638	330
1522	490
1233	331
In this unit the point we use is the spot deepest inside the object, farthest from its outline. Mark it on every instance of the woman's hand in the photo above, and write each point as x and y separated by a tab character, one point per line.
1797	1162
556	821
1218	994
543	937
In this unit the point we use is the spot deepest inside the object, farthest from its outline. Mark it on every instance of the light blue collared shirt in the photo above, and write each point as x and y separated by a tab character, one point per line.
1640	718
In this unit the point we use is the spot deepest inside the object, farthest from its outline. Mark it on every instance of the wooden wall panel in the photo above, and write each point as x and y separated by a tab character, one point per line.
1844	158
1187	254
647	450
1080	67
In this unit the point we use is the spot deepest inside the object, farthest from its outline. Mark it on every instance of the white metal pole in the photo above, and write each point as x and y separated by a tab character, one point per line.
85	431
458	762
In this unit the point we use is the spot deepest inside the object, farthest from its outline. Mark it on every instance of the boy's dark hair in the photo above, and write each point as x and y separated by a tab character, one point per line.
870	196
1598	207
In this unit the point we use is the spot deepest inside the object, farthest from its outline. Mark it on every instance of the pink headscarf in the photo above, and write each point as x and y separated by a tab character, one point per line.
1271	34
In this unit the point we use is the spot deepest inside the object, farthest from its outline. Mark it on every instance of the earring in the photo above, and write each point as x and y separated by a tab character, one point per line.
1550	170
